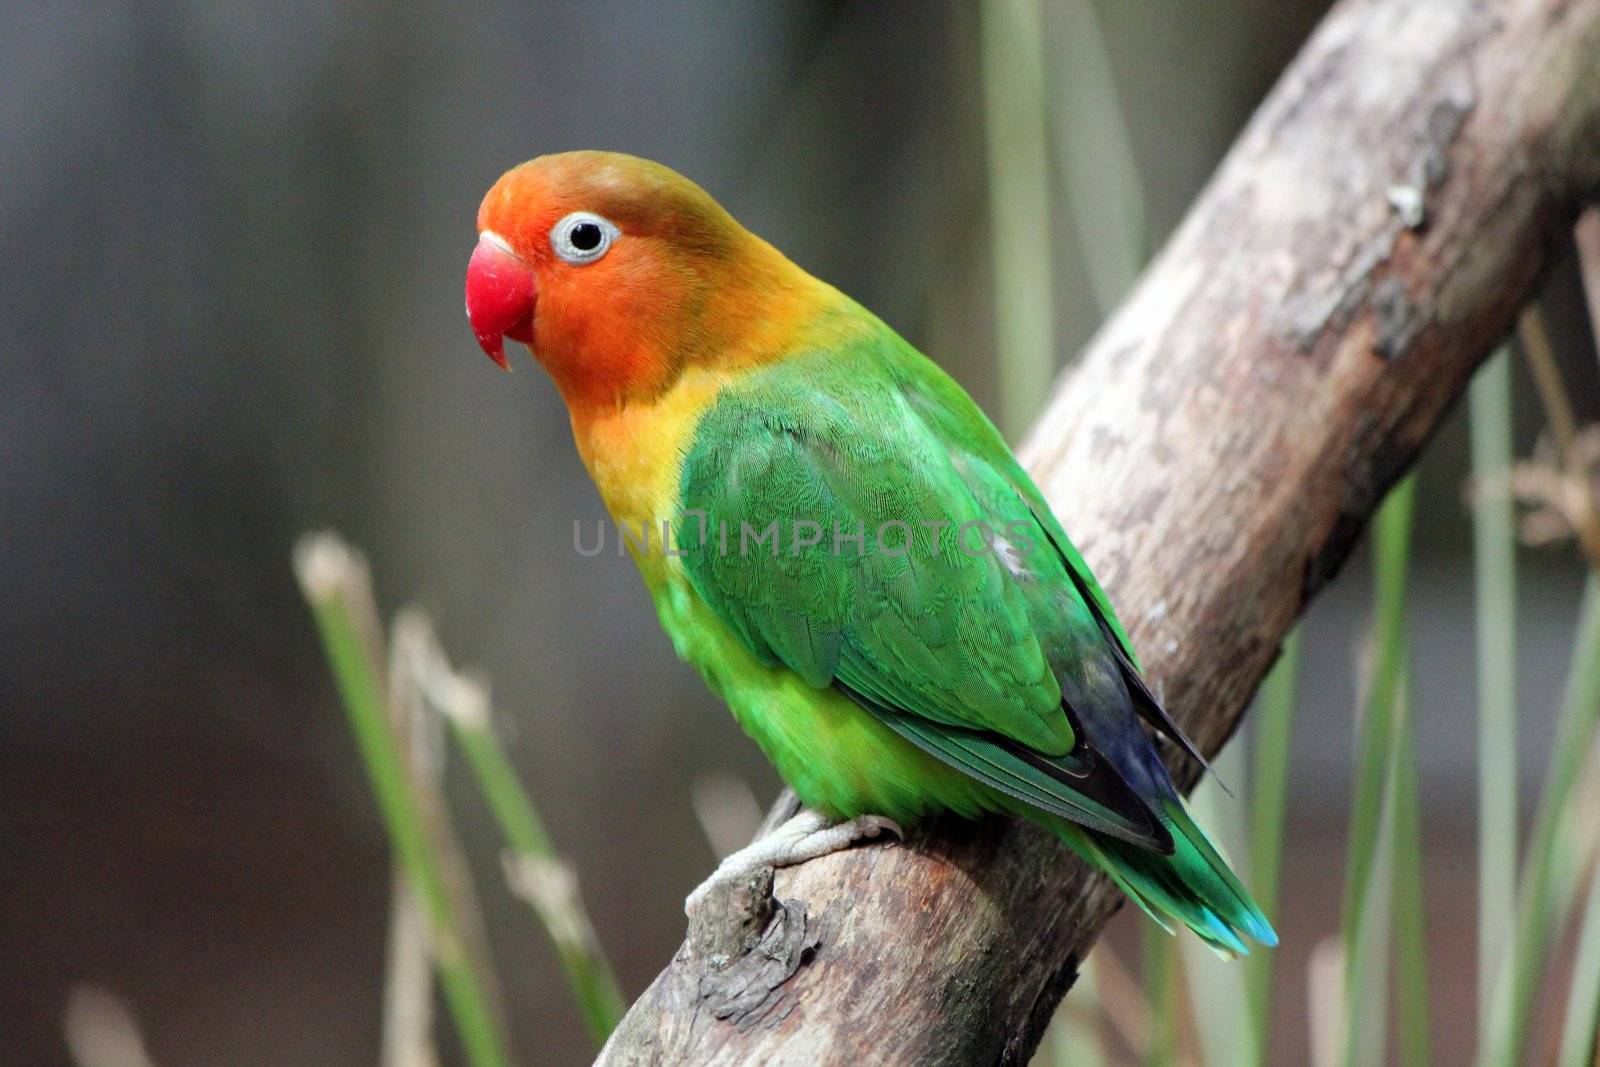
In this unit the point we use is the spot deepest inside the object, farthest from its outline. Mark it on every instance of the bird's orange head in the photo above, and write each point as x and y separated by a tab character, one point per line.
617	272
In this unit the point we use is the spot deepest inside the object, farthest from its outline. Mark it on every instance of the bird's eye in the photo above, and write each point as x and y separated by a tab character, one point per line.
582	237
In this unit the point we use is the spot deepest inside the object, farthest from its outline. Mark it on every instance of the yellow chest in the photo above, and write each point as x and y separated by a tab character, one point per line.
635	455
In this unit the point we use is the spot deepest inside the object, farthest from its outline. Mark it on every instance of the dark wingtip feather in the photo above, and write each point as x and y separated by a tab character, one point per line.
1151	710
1144	701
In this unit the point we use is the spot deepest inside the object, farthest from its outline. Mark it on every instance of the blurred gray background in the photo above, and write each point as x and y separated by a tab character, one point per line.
232	241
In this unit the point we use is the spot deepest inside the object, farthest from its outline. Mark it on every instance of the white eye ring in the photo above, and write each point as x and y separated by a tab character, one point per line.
582	237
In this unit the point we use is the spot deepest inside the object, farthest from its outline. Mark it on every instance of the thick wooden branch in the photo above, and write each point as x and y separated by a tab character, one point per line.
1217	451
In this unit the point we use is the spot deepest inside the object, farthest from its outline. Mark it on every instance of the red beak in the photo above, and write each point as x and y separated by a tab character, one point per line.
501	294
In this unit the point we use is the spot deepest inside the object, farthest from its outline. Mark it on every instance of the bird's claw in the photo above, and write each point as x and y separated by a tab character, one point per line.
807	836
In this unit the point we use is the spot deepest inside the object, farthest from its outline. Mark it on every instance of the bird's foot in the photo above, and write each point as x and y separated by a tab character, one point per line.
806	836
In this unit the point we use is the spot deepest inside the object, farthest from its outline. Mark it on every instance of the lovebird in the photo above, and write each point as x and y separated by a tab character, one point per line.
837	538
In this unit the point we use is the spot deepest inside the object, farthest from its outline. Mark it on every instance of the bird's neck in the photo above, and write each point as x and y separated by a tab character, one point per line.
634	445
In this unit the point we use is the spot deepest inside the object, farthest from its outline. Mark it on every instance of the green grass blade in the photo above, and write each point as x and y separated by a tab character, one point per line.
1094	155
1364	1030
1494	555
536	871
323	565
1269	792
1369	866
1548	885
1582	1025
1162	990
1410	919
1393	923
545	880
1019	198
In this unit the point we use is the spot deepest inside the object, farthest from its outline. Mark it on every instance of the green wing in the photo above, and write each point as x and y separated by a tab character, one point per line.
945	406
961	650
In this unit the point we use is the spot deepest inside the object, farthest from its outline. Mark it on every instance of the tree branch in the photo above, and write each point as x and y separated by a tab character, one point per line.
1364	246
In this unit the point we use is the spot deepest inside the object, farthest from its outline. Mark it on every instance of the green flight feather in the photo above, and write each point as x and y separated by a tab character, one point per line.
1193	885
1059	785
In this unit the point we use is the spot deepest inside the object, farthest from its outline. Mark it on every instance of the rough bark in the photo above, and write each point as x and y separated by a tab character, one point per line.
1216	452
